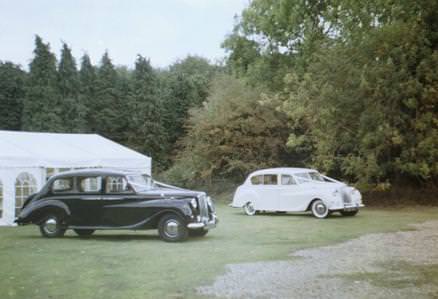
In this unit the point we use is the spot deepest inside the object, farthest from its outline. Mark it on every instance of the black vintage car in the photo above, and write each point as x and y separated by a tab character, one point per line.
89	200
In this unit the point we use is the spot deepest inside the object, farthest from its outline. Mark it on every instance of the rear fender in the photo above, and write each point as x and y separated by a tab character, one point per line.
33	212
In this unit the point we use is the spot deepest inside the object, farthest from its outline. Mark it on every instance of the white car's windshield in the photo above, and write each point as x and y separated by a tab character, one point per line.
305	177
140	182
316	176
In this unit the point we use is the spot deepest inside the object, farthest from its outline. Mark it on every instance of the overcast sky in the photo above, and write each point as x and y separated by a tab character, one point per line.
163	30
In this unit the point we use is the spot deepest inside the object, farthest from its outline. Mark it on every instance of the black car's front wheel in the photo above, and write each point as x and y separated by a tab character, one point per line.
84	232
52	226
172	228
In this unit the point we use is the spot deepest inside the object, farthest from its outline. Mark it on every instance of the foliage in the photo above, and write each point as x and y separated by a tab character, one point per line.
185	85
12	80
360	92
144	108
41	105
146	129
87	90
69	87
232	134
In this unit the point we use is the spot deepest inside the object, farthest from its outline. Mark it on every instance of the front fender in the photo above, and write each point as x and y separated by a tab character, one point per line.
33	210
242	196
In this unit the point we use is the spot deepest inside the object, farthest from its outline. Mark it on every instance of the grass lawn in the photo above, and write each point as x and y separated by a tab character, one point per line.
124	264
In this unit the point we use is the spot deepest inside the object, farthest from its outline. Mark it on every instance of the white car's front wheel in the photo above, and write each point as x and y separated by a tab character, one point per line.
249	209
319	209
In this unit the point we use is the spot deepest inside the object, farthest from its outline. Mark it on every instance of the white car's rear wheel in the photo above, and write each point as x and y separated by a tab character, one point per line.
319	209
249	209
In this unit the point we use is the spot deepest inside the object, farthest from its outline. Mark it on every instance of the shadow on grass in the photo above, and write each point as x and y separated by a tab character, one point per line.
107	237
291	214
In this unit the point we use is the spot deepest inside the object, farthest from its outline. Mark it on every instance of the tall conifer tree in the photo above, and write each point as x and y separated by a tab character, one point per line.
146	126
41	107
68	83
87	80
108	115
11	95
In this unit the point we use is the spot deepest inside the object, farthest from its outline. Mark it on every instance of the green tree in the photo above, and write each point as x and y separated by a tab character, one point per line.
12	79
71	106
87	91
233	133
146	131
41	106
367	99
108	113
183	86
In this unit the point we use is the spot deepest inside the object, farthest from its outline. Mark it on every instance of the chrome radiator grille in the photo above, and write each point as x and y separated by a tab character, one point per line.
203	207
346	196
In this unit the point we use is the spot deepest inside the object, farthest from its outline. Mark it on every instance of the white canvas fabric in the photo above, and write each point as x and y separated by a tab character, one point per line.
29	149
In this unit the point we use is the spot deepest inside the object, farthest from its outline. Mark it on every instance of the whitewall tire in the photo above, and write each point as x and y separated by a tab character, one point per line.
319	209
249	209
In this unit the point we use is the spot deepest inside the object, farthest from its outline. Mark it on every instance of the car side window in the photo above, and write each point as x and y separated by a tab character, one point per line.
257	180
287	180
270	179
62	185
90	184
116	184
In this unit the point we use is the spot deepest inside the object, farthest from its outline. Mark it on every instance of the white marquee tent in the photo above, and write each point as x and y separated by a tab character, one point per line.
27	159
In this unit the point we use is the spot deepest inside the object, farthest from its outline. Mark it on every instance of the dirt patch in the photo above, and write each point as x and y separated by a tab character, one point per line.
386	265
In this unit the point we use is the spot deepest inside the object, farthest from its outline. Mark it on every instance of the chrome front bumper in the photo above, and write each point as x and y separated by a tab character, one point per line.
204	225
353	207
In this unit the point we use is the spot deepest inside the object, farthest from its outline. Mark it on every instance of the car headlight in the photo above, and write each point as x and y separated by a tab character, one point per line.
194	203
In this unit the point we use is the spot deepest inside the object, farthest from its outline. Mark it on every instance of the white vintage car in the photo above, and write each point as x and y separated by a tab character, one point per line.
296	190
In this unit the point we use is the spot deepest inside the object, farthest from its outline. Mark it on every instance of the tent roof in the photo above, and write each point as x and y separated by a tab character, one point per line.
54	150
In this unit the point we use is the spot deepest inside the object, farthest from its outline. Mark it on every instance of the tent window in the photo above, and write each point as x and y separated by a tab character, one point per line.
25	185
49	172
1	199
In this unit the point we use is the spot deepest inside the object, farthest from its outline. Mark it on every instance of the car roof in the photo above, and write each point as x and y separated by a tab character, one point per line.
95	171
285	170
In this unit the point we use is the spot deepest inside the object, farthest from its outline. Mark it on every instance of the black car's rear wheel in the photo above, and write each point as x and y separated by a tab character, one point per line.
198	232
172	228
52	226
84	232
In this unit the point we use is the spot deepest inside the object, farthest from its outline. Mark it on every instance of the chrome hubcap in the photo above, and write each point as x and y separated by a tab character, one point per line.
320	209
171	228
249	208
51	225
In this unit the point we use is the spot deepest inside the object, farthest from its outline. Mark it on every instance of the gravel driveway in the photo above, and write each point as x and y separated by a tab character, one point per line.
387	265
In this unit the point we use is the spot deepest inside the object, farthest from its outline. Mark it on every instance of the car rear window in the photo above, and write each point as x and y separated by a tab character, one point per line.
90	184
270	179
257	180
63	185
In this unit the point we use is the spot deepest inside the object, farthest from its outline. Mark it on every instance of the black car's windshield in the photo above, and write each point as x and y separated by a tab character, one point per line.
140	182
